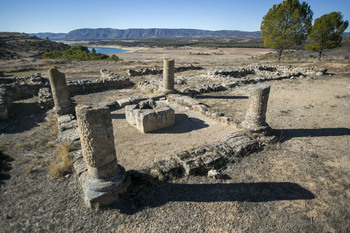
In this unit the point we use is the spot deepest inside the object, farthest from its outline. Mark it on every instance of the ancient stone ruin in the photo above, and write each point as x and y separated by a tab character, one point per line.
156	71
168	76
105	179
60	92
88	130
255	119
148	116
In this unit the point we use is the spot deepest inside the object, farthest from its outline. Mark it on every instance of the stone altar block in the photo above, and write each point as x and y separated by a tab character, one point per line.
148	116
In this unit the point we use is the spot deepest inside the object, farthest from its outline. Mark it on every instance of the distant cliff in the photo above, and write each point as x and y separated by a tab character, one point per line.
117	34
19	45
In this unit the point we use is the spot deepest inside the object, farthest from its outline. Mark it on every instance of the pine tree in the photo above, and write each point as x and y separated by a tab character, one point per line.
326	33
286	25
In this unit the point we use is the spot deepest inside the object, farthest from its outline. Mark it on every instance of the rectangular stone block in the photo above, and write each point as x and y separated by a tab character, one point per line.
148	120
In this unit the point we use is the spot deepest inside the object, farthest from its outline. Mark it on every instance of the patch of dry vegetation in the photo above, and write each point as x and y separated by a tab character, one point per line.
62	164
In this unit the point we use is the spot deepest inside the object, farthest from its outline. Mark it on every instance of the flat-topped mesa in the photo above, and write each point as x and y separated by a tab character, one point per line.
60	93
105	178
168	76
255	119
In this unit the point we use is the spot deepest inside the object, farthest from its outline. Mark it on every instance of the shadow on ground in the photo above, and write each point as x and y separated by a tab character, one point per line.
23	117
183	124
158	195
287	134
5	167
221	97
118	116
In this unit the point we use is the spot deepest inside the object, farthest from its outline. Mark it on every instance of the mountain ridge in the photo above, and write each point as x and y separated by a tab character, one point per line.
150	33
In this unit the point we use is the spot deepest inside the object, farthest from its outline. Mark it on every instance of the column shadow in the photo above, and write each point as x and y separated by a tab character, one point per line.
5	167
158	195
221	97
23	117
287	134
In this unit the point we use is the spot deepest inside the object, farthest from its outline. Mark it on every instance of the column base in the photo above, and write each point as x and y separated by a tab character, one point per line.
263	129
64	110
103	192
168	91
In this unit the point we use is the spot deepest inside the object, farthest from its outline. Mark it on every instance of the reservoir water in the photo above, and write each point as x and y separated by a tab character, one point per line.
107	50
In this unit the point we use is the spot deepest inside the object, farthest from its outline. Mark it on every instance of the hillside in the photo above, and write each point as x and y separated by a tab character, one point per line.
153	33
19	45
117	34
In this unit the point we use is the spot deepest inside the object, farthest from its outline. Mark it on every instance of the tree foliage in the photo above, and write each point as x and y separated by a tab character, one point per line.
286	25
326	33
79	53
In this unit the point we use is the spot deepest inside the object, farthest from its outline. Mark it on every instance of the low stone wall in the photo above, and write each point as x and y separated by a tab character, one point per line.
98	85
5	104
45	98
195	161
221	80
203	109
156	71
199	160
23	87
28	86
268	71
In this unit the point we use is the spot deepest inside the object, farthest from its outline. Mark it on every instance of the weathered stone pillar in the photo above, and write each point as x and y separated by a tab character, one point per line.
60	93
168	76
105	178
255	119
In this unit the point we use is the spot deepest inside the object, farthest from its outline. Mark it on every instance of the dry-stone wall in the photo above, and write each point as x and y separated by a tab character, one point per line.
203	109
221	80
98	85
107	81
157	71
198	161
5	104
23	86
17	88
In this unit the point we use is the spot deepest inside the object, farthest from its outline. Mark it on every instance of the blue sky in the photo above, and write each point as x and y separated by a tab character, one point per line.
33	16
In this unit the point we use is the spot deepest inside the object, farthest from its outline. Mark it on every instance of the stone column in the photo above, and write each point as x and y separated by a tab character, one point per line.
60	91
168	76
105	178
255	119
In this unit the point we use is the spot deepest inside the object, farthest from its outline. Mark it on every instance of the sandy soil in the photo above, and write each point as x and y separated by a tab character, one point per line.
137	150
300	184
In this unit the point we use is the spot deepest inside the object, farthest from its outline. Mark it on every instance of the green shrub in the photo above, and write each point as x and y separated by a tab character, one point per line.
78	53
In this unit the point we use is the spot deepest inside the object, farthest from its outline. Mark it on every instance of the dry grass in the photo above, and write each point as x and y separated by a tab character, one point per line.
52	121
62	164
